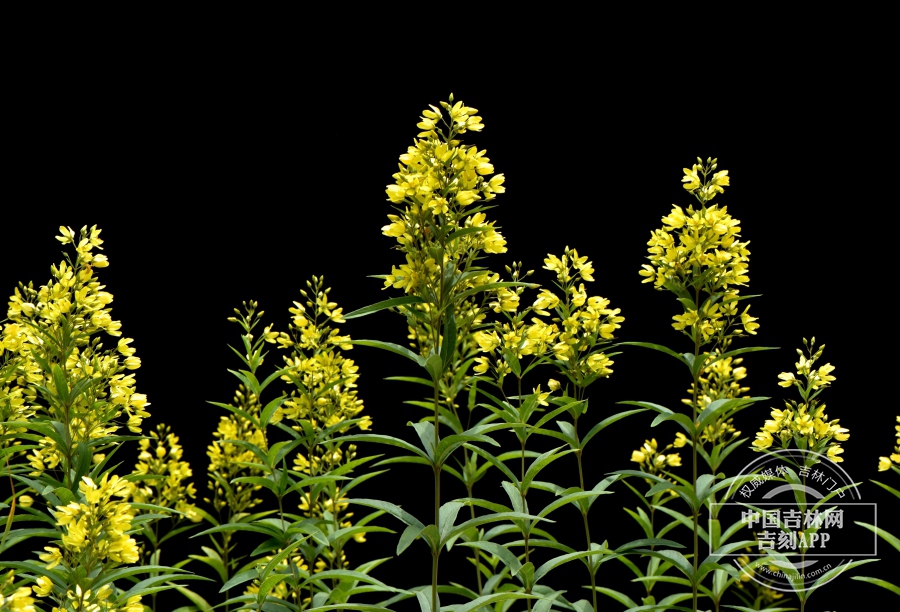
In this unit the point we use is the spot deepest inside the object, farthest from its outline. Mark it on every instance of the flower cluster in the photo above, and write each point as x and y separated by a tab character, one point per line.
95	532
719	380
15	598
228	460
805	422
654	461
697	254
57	326
160	456
324	381
437	194
887	463
580	325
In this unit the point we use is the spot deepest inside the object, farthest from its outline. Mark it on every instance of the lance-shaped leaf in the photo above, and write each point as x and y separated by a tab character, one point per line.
562	559
540	463
622	598
658	347
405	300
891	490
490	518
392	509
573	497
836	571
393	348
893	588
389	440
722	406
508	558
666	414
884	535
607	422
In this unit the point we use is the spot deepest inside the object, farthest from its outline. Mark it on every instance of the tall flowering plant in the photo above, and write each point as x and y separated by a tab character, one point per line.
698	256
68	394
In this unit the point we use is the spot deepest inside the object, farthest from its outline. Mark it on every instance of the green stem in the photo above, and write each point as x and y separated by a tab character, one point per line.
525	532
477	556
435	554
584	516
694	442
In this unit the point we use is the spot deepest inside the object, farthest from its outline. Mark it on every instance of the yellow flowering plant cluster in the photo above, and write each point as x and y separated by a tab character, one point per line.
506	363
66	396
699	257
658	463
292	449
441	228
804	423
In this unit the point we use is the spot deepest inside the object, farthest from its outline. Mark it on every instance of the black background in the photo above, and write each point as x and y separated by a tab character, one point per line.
221	179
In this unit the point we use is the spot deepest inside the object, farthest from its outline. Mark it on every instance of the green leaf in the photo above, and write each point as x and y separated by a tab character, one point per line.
194	598
62	387
393	348
509	559
448	342
447	517
892	490
721	406
389	440
836	571
391	303
565	499
540	463
644	542
622	598
435	366
893	588
669	414
657	347
266	414
674	557
487	600
560	560
606	423
343	574
390	508
408	536
425	431
268	583
240	578
884	535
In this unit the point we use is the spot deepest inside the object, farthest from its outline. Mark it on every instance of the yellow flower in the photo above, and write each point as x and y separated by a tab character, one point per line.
833	451
637	456
763	439
691	179
680	440
483	364
884	464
